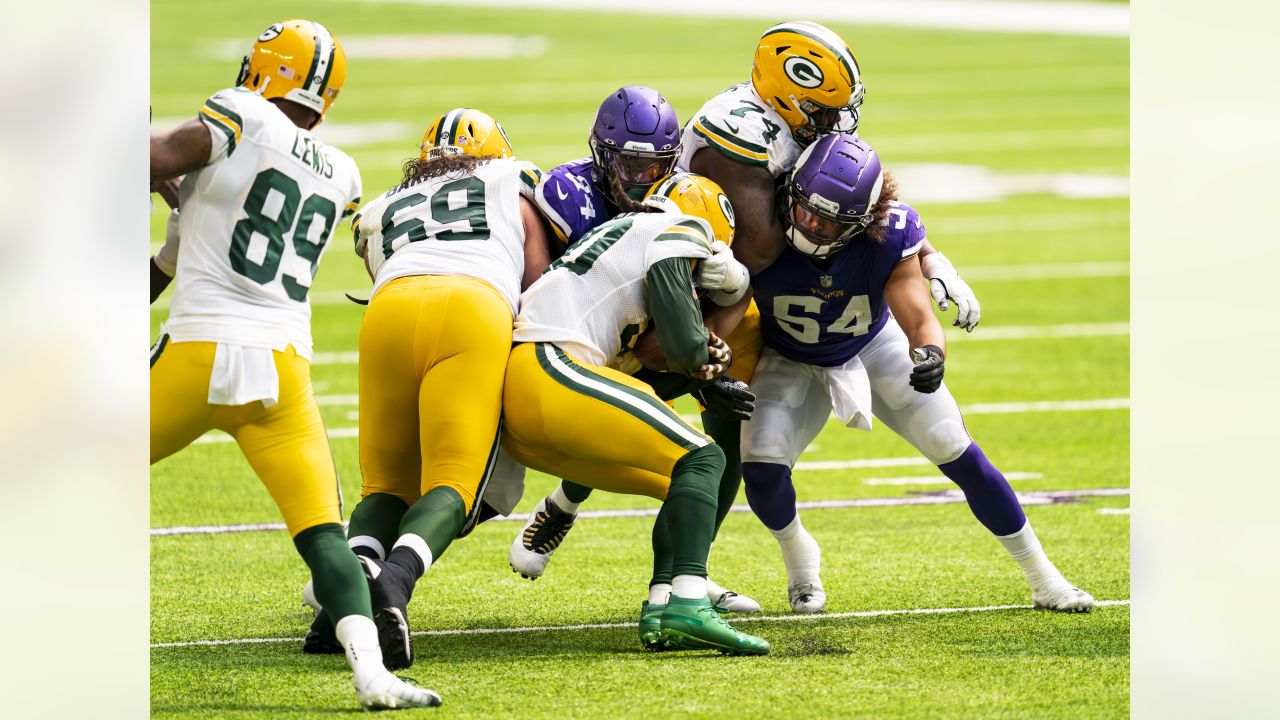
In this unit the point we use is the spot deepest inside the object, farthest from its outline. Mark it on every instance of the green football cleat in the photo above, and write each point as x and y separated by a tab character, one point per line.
651	626
695	624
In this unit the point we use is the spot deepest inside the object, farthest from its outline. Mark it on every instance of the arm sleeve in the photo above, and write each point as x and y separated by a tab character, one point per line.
674	307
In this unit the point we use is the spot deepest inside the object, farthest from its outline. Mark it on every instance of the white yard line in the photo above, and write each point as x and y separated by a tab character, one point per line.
1046	406
949	497
942	479
1057	18
1113	511
613	626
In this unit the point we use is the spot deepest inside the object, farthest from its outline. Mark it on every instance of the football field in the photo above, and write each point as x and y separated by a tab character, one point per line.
1015	149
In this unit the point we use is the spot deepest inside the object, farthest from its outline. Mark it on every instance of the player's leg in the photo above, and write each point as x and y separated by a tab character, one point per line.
288	449
933	424
557	408
792	405
180	410
548	524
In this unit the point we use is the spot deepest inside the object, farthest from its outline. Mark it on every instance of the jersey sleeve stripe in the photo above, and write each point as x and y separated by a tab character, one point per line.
682	235
913	249
529	178
708	126
732	152
232	132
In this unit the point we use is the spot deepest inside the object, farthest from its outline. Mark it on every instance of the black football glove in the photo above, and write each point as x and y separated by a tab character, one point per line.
926	377
728	398
720	357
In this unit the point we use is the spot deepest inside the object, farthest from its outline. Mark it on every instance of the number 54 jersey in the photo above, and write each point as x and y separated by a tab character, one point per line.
824	315
254	222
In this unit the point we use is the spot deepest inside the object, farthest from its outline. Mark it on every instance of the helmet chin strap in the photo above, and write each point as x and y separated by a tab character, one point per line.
806	246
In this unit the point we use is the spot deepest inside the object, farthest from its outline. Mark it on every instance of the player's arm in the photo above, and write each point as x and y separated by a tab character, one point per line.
164	265
181	150
723	320
910	306
682	337
758	238
946	284
537	254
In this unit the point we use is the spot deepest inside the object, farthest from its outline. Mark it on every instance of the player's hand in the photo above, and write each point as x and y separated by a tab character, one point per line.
168	189
721	359
926	377
729	398
721	271
946	284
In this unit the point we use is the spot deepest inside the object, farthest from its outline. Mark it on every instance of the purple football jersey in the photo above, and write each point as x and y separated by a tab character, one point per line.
571	202
824	316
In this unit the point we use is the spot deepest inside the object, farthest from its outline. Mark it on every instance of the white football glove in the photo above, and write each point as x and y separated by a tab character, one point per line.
723	274
167	258
945	284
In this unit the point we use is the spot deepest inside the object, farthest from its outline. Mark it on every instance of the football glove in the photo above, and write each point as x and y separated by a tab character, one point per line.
945	284
728	398
926	377
721	357
723	275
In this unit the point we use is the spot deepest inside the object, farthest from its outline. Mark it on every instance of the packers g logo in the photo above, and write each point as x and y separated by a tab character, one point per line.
803	72
727	209
271	33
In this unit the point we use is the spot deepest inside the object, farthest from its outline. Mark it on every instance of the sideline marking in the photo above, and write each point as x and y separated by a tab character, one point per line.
1113	511
942	497
612	626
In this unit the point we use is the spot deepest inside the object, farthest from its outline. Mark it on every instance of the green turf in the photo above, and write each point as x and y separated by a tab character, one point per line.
1013	103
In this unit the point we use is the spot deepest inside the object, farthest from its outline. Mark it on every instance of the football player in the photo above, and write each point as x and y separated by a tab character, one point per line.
805	82
844	318
260	198
567	413
635	141
449	250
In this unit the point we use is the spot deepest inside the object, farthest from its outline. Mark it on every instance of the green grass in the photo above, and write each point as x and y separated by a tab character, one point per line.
1014	103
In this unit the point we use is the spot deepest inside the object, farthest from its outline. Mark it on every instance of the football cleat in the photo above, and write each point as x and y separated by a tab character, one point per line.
695	625
651	626
309	597
807	597
385	691
1062	597
532	548
321	639
728	601
391	588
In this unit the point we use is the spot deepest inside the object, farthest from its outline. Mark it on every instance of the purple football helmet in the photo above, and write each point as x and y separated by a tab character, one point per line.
635	141
831	195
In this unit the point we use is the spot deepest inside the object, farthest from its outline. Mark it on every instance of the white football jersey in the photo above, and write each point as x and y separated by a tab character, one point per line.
254	224
466	225
593	299
739	124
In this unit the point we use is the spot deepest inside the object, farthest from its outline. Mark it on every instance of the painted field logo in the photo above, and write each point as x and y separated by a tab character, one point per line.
803	72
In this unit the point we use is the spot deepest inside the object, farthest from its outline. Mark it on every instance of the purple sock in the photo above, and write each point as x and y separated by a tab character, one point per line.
770	493
990	497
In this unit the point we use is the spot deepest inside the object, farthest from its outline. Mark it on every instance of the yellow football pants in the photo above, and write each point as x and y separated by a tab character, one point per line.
746	341
433	352
285	444
595	426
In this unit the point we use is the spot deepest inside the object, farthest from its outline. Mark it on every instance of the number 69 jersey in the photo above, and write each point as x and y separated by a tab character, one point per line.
464	224
254	222
824	316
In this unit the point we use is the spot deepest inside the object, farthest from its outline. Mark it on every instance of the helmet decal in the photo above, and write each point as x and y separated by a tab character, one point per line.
271	32
803	72
727	208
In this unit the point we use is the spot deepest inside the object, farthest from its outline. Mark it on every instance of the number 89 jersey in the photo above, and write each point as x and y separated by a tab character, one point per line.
464	224
825	315
254	222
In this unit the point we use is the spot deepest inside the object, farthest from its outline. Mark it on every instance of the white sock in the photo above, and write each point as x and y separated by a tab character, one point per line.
800	552
659	593
689	587
714	591
419	548
369	542
359	638
557	496
1024	547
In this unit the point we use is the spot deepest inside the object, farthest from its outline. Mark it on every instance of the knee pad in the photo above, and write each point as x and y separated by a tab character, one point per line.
944	441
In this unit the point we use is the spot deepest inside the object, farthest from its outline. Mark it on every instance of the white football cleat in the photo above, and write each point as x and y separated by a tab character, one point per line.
385	691
1062	597
807	597
729	601
538	539
309	597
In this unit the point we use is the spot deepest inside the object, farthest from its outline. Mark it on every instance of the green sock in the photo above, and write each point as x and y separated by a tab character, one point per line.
691	516
662	558
437	518
377	516
574	492
335	572
728	435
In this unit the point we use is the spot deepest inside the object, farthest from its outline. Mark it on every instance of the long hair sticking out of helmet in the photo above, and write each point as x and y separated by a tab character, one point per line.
466	130
635	141
418	170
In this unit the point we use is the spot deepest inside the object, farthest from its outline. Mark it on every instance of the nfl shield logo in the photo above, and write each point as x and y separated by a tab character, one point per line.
825	280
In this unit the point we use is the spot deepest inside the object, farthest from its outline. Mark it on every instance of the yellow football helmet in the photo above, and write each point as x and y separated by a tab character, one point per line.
466	130
298	60
808	74
695	195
